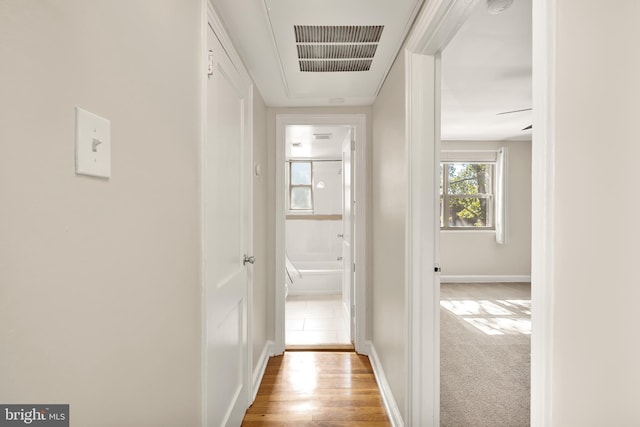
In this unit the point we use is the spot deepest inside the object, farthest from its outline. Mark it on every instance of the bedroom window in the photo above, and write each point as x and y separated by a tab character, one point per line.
300	186
467	199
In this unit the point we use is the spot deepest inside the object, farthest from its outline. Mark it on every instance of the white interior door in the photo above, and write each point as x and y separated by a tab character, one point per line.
347	231
227	238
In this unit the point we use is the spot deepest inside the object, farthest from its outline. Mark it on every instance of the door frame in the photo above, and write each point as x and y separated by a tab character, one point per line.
211	19
348	146
359	123
434	28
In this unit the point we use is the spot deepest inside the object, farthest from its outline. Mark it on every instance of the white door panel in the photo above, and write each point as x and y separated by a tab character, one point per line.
347	232
226	240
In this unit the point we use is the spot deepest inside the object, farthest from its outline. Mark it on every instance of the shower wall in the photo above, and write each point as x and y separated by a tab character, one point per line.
312	241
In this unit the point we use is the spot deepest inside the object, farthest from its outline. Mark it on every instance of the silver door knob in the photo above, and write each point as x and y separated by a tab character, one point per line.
340	236
248	259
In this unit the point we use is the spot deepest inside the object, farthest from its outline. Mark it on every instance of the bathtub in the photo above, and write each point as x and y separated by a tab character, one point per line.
316	277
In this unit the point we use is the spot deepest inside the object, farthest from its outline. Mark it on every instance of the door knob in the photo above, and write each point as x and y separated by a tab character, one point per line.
248	259
340	236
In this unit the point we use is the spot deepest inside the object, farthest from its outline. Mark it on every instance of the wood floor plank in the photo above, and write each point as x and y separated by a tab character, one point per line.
318	389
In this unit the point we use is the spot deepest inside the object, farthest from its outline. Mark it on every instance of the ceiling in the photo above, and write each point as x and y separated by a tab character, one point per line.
339	34
486	68
315	141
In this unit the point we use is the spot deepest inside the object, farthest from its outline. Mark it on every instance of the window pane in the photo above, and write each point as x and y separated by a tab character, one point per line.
301	198
301	173
469	178
468	212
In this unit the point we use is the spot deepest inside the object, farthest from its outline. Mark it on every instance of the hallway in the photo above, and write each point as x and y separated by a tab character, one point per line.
112	281
318	388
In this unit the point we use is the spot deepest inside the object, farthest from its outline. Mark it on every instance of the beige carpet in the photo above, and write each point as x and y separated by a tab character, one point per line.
485	355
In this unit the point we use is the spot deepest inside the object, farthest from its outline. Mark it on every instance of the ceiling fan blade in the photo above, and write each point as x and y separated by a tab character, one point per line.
528	127
514	111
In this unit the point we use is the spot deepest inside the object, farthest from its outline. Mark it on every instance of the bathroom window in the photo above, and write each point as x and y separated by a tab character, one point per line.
300	186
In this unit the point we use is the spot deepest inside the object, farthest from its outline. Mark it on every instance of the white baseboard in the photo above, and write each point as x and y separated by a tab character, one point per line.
261	366
483	279
385	389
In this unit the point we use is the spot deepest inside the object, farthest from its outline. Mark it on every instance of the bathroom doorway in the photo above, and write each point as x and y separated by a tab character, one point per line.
317	291
317	234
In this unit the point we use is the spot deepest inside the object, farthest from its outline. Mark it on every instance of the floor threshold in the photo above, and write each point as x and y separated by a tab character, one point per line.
320	347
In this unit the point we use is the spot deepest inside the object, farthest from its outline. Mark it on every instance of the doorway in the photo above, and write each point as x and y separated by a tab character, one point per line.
318	243
435	27
485	224
320	258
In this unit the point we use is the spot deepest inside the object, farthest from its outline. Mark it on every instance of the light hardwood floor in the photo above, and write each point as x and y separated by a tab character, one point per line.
318	389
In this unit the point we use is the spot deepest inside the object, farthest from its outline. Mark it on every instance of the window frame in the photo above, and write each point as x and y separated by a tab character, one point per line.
445	197
292	186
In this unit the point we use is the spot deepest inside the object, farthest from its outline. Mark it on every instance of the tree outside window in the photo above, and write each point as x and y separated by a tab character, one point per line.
466	196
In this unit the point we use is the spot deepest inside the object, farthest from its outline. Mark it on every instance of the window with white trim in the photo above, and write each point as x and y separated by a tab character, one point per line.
467	196
300	185
472	191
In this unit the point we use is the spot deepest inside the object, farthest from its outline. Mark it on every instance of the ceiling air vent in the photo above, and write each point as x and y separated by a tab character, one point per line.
333	66
322	136
329	51
338	33
336	48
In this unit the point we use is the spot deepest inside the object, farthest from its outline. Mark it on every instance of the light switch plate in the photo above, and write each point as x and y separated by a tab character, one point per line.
93	144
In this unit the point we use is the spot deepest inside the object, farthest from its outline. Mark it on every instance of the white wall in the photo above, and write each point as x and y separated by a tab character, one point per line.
313	241
389	183
596	374
316	240
327	200
476	253
261	334
100	280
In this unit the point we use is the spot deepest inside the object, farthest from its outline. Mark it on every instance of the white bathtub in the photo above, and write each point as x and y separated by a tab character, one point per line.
317	277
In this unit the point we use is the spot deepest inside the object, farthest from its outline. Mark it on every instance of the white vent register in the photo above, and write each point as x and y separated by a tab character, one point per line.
332	48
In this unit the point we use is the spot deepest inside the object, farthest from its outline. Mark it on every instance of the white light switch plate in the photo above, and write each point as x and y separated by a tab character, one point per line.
93	144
